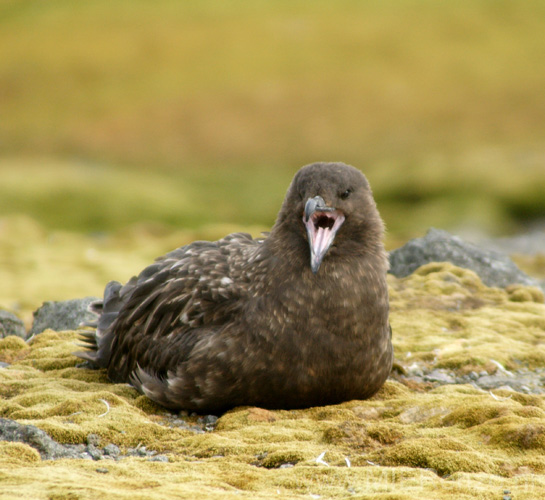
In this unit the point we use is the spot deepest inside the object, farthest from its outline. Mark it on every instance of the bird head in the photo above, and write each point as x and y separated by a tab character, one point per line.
337	212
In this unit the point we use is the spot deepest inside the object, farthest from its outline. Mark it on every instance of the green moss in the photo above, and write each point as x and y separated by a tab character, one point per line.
11	348
407	441
518	293
455	432
455	324
476	414
276	459
445	456
518	433
18	453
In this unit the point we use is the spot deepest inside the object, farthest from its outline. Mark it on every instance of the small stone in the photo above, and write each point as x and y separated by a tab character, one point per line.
102	470
210	422
95	453
111	450
210	419
93	439
439	376
158	458
62	315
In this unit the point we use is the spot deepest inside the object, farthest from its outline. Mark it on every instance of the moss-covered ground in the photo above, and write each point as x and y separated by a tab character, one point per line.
411	441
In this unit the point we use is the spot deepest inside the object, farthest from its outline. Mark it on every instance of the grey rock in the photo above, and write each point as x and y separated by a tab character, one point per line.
141	451
112	450
523	380
10	430
11	325
49	449
206	423
93	439
210	420
158	458
63	315
526	383
3	364
440	376
494	268
95	453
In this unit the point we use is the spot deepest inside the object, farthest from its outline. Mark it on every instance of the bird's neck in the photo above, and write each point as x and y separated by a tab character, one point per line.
355	275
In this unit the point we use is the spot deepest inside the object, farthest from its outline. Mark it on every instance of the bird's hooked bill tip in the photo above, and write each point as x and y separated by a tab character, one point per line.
315	204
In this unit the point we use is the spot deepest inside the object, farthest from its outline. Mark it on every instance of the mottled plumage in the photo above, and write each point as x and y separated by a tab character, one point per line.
296	319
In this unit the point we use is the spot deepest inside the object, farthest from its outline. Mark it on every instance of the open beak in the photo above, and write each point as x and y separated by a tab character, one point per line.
322	223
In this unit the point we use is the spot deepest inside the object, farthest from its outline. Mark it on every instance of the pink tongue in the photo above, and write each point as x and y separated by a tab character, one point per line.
319	245
321	239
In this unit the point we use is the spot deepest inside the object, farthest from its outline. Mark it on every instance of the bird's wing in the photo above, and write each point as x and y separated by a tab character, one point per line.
193	288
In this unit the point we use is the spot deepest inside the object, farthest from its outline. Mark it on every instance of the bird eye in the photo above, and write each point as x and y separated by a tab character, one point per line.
345	194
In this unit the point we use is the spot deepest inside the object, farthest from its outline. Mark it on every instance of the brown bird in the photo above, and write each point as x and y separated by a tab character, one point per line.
296	319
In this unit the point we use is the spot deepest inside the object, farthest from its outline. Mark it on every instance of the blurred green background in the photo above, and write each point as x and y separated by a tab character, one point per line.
195	115
187	113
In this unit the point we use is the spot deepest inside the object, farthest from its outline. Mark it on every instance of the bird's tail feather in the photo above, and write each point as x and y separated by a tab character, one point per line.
98	339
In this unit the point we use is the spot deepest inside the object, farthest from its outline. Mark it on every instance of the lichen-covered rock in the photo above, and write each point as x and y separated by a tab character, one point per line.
62	315
494	268
10	324
36	438
451	423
